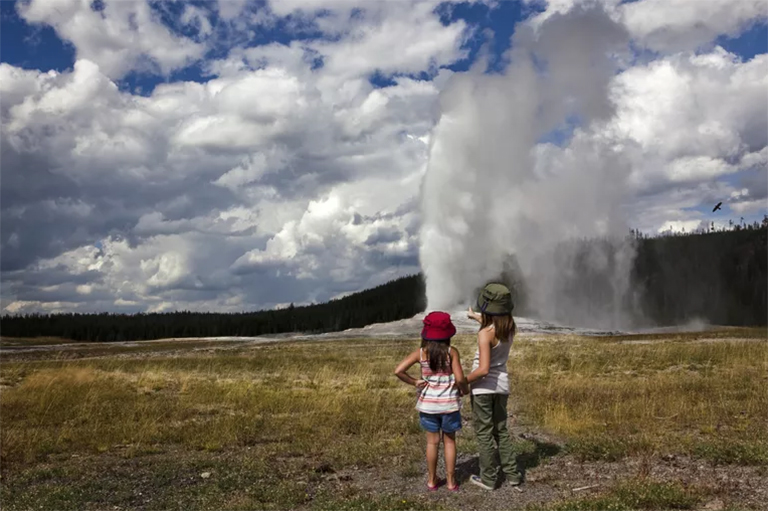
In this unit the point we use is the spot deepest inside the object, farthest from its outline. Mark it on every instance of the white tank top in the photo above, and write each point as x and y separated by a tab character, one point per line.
497	379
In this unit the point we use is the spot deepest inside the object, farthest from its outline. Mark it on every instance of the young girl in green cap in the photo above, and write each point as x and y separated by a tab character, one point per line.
489	383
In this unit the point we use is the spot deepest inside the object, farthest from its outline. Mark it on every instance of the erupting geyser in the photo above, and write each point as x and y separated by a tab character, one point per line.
494	187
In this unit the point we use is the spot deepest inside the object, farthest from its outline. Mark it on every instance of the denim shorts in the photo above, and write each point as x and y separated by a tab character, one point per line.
435	422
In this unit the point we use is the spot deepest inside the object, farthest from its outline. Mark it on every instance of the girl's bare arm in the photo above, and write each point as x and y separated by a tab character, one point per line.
458	371
484	339
402	369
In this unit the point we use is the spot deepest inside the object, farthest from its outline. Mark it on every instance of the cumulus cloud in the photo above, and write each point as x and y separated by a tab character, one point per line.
687	24
121	36
333	238
166	200
406	41
287	176
665	26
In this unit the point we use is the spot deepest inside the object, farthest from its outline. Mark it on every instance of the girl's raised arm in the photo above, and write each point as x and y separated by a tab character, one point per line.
402	369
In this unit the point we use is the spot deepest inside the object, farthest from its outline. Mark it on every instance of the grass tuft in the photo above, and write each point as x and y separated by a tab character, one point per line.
629	496
375	503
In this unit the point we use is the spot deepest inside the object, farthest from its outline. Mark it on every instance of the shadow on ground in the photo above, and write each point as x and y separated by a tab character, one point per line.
528	459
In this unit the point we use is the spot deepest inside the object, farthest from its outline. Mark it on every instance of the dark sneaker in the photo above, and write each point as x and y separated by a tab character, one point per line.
479	482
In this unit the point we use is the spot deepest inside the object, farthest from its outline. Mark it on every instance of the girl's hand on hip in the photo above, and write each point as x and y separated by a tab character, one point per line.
420	384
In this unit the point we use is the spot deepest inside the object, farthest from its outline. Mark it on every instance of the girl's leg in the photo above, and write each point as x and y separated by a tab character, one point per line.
433	442
507	454
449	445
482	410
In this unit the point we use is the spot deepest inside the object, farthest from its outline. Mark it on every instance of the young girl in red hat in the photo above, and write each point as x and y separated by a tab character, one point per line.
440	388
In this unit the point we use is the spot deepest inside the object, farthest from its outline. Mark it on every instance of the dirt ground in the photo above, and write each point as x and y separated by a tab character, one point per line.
552	476
133	483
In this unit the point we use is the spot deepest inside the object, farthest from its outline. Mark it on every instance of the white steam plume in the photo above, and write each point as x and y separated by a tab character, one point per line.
492	190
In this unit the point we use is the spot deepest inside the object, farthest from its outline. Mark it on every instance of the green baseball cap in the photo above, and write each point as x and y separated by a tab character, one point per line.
495	300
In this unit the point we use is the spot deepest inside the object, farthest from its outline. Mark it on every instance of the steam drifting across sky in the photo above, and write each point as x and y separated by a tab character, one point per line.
487	194
238	155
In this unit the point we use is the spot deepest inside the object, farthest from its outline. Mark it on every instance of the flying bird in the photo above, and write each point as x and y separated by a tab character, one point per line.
717	207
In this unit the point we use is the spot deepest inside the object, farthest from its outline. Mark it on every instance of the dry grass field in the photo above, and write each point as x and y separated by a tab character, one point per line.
674	421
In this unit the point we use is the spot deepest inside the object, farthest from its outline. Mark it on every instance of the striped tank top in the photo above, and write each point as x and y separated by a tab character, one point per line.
439	395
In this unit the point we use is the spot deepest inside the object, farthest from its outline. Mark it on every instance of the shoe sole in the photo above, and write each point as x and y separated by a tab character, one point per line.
481	485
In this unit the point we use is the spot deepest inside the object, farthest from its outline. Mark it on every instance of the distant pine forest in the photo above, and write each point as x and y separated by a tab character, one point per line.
719	277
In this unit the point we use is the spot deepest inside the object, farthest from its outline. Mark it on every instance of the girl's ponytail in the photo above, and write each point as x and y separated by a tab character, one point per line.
438	353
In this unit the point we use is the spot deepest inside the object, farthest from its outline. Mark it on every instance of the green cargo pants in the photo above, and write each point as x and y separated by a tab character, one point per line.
490	422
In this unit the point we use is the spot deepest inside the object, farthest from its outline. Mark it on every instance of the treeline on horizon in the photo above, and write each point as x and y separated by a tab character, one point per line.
719	277
397	299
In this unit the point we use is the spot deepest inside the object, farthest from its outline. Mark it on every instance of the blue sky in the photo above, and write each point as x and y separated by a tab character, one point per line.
43	50
229	155
34	46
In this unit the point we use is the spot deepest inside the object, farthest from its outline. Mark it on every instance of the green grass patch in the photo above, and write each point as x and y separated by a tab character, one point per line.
731	451
630	496
375	503
609	399
162	482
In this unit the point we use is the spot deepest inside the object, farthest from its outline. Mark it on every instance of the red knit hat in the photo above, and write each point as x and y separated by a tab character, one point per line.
437	327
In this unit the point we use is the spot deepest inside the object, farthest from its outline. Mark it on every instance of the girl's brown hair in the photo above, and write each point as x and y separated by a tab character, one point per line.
438	354
504	326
